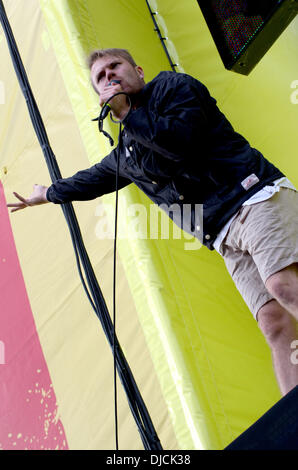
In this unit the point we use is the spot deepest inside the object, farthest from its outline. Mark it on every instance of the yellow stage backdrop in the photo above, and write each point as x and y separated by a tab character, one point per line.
199	359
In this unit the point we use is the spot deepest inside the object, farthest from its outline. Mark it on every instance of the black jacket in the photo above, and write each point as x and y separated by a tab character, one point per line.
179	149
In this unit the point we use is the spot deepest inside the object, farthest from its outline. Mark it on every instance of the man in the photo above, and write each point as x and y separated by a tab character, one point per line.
180	149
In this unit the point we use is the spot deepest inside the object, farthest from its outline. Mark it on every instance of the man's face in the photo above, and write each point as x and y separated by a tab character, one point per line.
110	68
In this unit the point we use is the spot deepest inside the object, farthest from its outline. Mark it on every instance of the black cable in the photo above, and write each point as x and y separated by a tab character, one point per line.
114	299
103	114
162	39
114	284
145	426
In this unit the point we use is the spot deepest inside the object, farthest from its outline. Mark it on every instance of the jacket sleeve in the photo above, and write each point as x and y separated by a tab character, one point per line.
176	120
88	184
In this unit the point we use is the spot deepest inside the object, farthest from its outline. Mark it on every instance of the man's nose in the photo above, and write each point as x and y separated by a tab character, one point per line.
110	76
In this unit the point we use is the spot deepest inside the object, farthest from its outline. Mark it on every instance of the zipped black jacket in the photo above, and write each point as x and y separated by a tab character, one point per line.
178	148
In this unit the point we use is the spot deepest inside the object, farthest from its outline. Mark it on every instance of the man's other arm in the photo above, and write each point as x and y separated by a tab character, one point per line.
83	186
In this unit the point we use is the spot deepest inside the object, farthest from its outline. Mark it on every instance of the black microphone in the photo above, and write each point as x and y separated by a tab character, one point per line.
107	107
103	114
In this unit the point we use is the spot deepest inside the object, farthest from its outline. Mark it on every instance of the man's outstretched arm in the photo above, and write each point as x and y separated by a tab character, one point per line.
83	186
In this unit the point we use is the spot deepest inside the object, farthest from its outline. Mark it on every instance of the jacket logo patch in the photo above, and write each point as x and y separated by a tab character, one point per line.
250	181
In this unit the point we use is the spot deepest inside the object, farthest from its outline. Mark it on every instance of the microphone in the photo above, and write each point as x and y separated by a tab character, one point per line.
107	107
104	112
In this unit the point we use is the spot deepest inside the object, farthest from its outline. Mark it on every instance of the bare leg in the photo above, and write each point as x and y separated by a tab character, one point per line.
284	287
280	330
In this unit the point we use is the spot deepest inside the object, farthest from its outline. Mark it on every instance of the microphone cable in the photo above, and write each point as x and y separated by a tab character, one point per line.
138	408
103	114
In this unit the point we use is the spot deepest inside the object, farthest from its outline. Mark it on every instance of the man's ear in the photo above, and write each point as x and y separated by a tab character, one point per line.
140	71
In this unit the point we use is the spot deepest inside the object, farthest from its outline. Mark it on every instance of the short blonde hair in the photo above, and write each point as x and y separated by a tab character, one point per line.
99	53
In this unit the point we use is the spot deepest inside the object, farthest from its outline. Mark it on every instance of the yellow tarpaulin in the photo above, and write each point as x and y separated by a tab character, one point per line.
201	363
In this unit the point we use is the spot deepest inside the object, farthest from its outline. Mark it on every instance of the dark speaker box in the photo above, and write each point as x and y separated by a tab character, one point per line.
244	30
275	430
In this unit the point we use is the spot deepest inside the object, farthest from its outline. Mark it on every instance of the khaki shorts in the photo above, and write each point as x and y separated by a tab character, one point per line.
262	240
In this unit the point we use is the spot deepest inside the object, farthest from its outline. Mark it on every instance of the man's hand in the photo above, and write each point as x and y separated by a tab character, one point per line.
37	197
118	104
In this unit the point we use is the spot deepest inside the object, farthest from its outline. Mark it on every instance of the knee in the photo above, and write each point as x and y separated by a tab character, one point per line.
274	321
283	285
281	290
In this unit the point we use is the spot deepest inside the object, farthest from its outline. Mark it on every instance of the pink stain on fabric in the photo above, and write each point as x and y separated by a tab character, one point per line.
29	416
